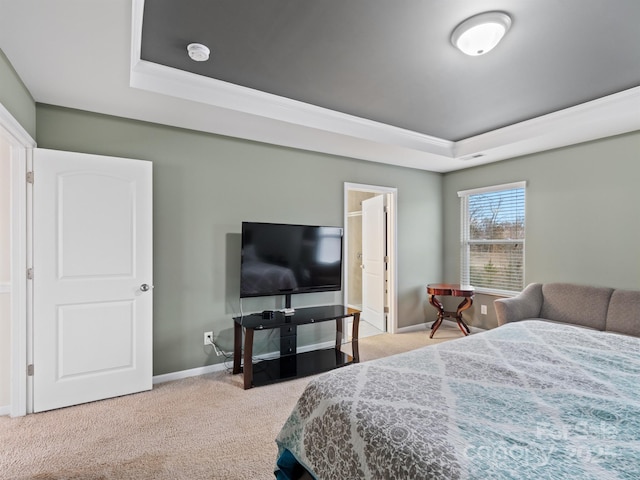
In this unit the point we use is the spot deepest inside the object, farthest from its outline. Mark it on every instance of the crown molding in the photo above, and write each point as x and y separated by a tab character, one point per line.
604	117
177	83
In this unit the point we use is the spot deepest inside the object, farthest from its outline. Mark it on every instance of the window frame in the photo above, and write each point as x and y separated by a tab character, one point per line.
465	241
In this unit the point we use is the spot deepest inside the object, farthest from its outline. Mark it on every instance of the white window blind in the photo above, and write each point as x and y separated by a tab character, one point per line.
493	238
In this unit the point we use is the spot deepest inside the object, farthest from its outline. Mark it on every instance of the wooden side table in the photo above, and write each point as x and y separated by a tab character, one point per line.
453	290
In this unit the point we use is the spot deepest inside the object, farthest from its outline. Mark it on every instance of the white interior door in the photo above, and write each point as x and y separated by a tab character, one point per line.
373	262
92	278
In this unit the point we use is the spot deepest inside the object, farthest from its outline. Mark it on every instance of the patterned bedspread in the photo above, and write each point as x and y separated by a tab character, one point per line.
530	399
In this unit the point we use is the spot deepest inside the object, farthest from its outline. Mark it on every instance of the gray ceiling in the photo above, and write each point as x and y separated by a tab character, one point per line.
392	61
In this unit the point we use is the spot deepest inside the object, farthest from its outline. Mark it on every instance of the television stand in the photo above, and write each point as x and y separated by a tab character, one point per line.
291	364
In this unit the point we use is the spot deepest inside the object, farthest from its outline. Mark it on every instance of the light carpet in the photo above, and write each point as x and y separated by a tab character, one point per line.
204	427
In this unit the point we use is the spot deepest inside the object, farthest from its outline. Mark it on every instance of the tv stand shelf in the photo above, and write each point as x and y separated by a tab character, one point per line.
291	364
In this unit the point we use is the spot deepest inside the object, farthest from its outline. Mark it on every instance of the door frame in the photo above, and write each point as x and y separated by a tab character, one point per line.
392	231
22	145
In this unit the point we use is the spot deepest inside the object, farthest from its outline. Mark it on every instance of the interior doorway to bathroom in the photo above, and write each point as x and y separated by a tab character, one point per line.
370	256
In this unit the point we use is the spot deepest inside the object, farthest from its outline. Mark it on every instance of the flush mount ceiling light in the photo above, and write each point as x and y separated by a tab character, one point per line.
198	52
479	34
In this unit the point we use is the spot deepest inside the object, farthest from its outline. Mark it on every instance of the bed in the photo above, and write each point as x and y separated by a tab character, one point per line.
531	399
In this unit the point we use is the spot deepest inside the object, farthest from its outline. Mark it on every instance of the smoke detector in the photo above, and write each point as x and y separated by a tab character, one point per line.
198	52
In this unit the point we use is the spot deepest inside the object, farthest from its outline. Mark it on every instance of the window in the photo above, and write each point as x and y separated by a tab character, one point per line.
492	238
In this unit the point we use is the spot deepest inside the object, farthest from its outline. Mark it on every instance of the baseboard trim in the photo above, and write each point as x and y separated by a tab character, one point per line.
192	372
427	326
412	328
218	367
6	410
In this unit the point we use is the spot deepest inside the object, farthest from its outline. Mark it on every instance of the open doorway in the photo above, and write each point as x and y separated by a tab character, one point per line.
370	256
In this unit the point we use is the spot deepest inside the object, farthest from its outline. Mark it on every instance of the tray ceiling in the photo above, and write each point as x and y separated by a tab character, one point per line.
368	79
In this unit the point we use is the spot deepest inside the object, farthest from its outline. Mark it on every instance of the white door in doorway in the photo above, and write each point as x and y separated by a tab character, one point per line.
373	261
92	278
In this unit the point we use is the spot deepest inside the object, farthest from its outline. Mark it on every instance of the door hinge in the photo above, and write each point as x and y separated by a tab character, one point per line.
386	259
29	273
30	370
29	177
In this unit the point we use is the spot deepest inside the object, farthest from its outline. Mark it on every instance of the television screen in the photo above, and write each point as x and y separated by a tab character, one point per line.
283	259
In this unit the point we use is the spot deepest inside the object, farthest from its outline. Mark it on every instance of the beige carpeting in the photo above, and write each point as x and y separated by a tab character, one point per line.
204	427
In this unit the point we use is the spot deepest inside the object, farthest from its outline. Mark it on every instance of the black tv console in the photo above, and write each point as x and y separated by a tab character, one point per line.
291	364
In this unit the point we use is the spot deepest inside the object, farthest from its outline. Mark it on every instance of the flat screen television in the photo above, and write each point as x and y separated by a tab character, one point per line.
285	259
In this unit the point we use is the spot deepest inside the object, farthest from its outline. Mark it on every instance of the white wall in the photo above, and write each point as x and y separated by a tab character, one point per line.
5	276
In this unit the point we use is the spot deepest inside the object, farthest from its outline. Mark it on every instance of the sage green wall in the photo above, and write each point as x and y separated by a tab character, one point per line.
583	214
206	185
15	97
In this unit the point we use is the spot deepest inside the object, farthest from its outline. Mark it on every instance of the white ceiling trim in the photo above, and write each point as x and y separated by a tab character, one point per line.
611	115
170	81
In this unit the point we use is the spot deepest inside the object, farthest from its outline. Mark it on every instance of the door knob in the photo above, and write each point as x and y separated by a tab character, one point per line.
144	287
